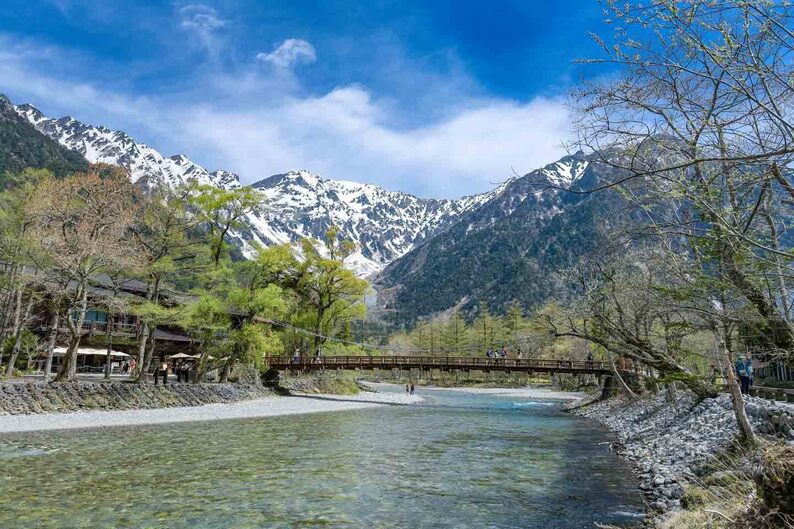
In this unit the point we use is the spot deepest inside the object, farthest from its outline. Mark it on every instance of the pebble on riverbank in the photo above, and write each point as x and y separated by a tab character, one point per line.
671	443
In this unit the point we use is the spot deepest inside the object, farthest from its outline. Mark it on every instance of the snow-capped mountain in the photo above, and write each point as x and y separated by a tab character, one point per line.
384	224
102	145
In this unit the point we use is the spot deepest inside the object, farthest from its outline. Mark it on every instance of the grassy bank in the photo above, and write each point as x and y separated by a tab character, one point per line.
747	488
325	382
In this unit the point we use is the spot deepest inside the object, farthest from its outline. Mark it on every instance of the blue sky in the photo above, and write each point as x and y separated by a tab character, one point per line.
439	98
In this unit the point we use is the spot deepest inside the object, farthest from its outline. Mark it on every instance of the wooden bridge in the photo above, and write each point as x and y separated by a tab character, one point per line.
443	363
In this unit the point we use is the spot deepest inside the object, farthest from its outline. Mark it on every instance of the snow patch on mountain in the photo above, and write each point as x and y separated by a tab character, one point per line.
384	224
565	172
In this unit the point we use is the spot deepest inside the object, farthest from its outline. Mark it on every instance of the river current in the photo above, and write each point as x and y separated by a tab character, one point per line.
461	460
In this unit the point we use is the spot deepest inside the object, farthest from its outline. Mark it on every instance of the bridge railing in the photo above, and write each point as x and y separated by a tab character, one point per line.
464	362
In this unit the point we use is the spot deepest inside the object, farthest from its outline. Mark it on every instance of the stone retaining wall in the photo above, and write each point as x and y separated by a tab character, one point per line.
38	397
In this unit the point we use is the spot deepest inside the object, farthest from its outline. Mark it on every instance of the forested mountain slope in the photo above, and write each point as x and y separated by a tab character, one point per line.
509	249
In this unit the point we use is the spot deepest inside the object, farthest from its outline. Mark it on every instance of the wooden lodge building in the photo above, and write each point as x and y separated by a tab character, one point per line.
117	327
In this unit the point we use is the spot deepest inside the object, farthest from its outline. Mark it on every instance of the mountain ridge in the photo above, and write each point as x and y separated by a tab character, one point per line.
507	250
383	224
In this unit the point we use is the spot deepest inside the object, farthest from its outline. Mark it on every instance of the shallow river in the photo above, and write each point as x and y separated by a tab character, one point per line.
460	461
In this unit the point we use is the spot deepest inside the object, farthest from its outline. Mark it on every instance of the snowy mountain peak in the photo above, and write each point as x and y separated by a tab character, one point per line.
566	171
101	145
384	224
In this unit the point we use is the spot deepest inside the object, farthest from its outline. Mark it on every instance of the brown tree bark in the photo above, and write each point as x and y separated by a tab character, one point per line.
109	340
745	430
147	357
17	300
55	320
68	369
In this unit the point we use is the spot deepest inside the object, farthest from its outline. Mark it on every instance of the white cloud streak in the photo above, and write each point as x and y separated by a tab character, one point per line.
289	53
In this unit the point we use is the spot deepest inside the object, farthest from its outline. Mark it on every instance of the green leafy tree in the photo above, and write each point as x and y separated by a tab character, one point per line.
329	292
222	211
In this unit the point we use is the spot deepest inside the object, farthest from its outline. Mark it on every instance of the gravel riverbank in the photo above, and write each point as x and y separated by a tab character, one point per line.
671	443
262	407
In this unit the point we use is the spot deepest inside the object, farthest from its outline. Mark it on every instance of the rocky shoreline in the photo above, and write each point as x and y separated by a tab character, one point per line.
671	442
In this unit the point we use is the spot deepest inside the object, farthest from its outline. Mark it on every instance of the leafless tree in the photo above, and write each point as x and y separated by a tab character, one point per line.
82	224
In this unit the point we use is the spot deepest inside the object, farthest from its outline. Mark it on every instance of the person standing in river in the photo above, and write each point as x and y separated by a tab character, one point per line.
407	389
412	389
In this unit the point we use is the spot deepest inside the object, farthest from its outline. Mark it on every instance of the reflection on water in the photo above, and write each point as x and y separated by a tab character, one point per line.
461	461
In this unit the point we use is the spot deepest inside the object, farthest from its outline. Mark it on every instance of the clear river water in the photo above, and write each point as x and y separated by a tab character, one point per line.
461	460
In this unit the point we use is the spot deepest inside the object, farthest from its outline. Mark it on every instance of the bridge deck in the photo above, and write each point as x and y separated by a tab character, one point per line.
444	363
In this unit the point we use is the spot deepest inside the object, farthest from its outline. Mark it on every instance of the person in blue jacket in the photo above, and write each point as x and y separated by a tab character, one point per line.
744	370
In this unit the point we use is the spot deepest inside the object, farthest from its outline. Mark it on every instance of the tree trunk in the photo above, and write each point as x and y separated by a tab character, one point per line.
224	377
142	343
147	358
18	338
55	320
68	370
623	384
745	430
17	300
10	301
109	340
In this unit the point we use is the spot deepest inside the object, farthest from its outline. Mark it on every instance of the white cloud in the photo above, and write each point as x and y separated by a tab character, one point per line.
256	129
290	52
345	134
204	22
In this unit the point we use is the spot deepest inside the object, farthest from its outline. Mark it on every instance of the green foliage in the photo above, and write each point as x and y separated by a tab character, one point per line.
329	294
335	348
154	313
28	349
223	210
